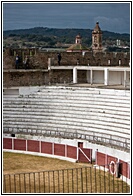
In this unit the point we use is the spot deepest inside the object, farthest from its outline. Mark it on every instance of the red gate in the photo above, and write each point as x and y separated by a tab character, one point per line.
85	155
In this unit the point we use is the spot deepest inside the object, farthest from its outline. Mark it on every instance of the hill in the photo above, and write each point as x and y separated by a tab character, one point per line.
62	32
54	37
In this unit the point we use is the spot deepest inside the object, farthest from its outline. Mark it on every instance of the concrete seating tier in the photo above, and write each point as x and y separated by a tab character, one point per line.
100	113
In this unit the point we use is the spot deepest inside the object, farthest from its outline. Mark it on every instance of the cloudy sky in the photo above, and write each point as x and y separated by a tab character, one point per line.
114	17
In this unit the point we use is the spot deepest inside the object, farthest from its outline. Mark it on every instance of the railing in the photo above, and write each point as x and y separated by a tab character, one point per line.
75	180
117	142
94	137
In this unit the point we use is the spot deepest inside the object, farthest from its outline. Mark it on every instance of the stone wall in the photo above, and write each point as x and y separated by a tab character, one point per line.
38	73
33	78
39	60
25	78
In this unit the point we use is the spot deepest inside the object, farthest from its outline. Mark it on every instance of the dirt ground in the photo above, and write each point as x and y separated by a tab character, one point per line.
52	181
17	163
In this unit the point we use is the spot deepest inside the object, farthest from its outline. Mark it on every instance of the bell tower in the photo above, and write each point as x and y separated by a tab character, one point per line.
78	39
97	39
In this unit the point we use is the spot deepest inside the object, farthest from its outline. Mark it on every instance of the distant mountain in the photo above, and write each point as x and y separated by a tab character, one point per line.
63	32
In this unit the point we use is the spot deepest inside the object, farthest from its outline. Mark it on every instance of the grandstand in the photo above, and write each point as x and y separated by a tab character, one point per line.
90	115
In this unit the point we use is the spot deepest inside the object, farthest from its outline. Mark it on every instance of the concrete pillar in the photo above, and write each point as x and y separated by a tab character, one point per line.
26	145
96	156
106	76
91	77
53	148
125	78
49	63
65	150
87	76
12	143
77	153
74	75
109	62
119	62
40	149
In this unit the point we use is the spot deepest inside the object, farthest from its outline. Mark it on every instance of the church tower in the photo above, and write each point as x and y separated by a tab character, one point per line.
97	39
78	39
78	46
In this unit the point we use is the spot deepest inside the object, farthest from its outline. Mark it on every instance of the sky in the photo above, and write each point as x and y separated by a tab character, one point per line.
113	17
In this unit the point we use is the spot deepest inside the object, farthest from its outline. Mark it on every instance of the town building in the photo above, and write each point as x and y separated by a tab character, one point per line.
96	42
78	46
97	39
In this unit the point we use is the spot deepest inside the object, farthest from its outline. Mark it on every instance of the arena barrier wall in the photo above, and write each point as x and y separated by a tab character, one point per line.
71	153
54	149
113	164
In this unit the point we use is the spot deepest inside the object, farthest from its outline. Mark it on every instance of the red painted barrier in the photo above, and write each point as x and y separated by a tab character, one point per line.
72	152
46	147
111	163
7	143
81	154
59	149
124	169
33	146
19	144
100	158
